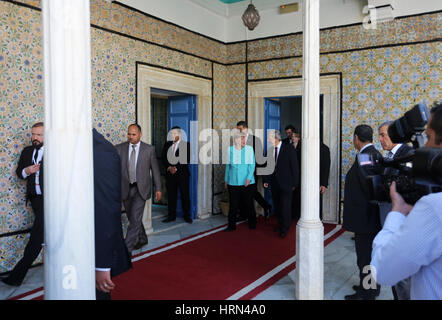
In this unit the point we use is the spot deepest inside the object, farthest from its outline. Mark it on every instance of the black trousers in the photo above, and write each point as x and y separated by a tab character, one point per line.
241	197
296	203
258	198
363	246
282	200
33	247
173	183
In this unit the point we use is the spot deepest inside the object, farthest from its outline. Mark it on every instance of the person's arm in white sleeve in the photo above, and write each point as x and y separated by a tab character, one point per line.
406	243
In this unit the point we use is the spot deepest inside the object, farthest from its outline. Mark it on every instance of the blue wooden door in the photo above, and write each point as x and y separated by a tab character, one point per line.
272	117
181	113
272	120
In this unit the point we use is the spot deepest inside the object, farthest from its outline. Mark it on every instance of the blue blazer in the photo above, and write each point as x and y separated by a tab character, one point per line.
241	166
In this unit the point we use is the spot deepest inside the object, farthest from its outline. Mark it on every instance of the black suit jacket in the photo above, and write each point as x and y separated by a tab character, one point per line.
324	163
182	167
26	161
360	215
286	173
110	249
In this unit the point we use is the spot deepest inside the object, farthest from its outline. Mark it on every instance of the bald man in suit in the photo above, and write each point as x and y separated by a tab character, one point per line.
138	160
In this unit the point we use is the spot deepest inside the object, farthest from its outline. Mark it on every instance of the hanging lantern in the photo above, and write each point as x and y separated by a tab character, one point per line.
251	17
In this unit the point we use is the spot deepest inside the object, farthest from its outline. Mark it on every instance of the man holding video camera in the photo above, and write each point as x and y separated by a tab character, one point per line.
410	243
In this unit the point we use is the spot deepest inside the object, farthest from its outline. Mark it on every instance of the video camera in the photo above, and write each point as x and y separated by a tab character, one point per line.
416	174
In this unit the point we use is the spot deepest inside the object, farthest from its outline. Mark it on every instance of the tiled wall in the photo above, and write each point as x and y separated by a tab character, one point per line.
377	84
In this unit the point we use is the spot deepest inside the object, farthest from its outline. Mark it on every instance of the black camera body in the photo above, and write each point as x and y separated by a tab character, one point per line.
416	174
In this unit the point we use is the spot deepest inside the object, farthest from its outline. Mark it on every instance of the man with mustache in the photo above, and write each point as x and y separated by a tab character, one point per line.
30	168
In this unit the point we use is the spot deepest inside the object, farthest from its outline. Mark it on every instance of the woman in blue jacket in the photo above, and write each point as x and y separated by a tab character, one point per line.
239	180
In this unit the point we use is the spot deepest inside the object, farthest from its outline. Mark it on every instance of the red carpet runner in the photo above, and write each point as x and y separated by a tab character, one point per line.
218	266
214	267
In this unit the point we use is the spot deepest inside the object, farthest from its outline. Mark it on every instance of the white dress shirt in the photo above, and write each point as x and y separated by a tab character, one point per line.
279	150
176	146
412	246
137	152
395	149
37	174
365	147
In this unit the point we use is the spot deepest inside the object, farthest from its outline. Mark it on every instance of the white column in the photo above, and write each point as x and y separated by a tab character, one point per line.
69	257
310	231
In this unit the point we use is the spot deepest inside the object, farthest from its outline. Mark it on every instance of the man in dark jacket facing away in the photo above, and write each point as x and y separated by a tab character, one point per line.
111	254
360	215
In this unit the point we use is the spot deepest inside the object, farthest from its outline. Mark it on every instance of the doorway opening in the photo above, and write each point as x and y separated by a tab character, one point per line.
260	91
280	113
170	109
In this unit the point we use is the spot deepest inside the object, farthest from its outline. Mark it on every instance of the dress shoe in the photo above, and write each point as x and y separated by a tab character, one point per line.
169	219
9	282
228	229
188	219
267	212
283	234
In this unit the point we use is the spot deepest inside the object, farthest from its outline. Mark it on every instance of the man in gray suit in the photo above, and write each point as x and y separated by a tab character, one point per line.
137	160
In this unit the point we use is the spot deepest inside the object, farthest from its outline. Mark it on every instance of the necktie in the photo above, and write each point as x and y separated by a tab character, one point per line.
174	147
132	165
36	156
276	154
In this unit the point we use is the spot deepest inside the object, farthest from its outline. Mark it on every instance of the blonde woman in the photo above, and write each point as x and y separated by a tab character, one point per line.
240	180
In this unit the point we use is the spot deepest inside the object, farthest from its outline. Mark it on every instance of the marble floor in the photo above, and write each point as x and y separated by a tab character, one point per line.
340	270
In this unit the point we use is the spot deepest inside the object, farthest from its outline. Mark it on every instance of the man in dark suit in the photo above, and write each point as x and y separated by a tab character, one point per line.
111	255
176	159
30	168
290	130
394	150
283	180
324	173
256	144
360	215
138	159
401	291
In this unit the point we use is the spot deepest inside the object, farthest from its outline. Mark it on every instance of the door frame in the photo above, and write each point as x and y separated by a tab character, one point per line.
193	170
330	88
151	77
